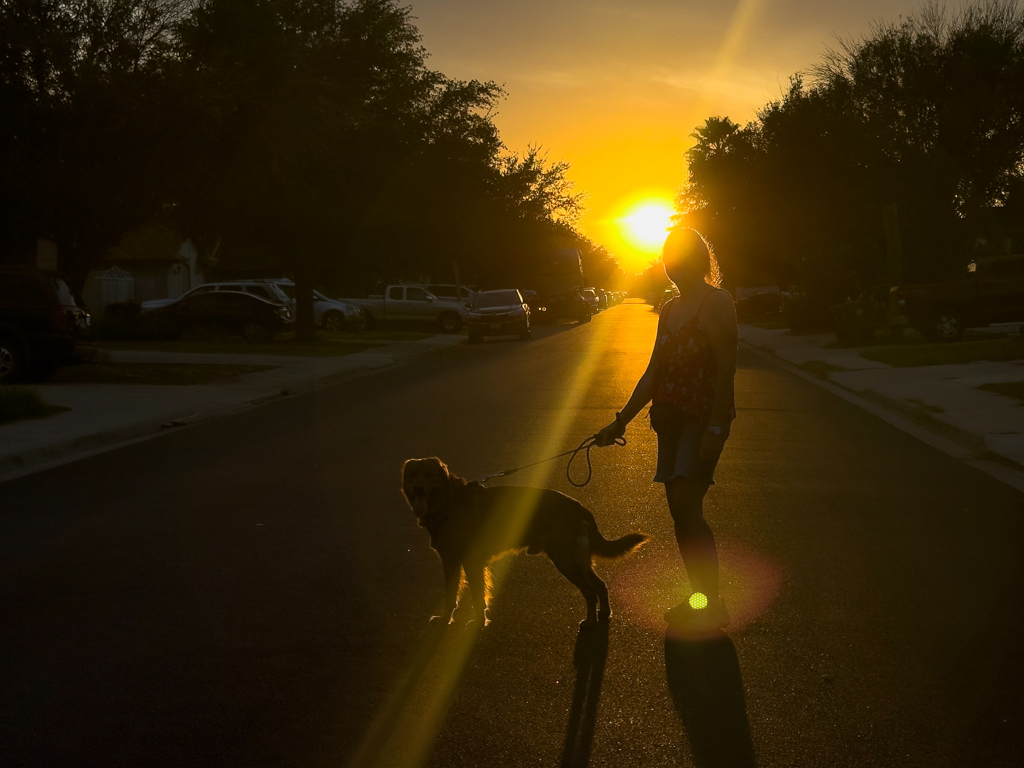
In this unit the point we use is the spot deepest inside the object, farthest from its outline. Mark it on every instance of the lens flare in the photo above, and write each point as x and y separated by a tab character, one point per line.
655	580
698	601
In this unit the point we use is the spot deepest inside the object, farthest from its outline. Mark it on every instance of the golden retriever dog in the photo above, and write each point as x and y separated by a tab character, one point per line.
471	526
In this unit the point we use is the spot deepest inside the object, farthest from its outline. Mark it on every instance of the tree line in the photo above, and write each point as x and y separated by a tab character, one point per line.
306	136
897	158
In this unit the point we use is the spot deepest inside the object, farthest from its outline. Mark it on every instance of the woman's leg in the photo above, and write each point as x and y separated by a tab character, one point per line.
693	534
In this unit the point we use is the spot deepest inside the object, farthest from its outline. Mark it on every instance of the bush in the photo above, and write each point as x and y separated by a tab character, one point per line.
18	403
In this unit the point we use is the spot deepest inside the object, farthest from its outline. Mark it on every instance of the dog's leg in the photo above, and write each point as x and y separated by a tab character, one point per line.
605	610
452	580
568	567
477	579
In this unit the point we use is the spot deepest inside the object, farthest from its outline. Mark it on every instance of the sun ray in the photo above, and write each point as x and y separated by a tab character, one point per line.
404	729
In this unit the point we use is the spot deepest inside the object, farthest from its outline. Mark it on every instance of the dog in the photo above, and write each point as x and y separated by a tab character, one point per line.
471	526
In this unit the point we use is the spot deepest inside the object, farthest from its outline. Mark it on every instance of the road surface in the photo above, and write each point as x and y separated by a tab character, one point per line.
254	591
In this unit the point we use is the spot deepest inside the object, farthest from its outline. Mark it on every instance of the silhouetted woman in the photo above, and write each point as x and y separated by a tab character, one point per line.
689	383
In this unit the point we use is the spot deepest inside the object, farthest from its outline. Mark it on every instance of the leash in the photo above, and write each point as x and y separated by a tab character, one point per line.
585	446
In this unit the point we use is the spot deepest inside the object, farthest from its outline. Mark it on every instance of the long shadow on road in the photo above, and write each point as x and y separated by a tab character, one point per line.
589	659
707	688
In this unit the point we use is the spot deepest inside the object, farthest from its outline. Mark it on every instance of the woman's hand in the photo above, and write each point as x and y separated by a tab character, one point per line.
609	434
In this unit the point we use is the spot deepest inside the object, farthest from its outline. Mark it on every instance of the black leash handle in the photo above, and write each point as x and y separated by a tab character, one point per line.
586	445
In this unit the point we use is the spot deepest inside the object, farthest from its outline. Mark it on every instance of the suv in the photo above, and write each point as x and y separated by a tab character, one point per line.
43	325
991	291
329	314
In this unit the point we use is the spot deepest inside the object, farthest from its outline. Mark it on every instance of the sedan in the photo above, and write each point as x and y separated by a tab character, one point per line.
494	313
232	312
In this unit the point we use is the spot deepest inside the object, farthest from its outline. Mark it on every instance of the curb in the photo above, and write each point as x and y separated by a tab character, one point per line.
919	414
17	465
915	421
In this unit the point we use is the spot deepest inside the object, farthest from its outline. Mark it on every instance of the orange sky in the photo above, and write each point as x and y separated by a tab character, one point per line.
616	87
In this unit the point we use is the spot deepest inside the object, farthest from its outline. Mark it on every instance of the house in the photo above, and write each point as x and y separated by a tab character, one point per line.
153	262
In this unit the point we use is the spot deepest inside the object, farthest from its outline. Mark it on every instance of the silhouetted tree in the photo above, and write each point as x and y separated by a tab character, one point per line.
923	118
305	137
86	122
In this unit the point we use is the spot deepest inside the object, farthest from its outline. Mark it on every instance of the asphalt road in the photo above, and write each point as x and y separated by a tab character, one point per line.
254	591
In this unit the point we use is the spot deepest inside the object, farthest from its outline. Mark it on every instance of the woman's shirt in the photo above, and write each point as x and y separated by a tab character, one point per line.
685	371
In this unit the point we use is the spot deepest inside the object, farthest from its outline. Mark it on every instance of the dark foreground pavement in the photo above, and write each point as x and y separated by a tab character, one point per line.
253	591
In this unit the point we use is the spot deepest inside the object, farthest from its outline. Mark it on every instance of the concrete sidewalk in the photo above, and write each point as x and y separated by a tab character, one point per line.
104	415
942	398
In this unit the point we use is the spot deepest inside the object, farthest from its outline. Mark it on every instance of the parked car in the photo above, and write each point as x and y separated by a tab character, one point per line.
757	306
43	324
991	291
412	303
329	314
232	312
590	297
265	289
495	313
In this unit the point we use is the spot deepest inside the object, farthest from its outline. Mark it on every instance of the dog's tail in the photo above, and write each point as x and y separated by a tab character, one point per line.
620	547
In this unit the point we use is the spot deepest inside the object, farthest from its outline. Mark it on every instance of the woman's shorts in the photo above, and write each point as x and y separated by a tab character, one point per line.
679	451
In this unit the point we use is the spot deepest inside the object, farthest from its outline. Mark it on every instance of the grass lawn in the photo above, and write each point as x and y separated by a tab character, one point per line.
152	373
1014	389
18	403
952	353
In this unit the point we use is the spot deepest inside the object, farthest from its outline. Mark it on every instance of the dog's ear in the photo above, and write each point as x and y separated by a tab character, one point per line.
452	481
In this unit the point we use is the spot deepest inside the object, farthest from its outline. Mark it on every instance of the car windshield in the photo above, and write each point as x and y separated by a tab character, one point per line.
493	299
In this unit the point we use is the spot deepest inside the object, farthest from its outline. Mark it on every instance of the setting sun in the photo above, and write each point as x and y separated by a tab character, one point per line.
643	226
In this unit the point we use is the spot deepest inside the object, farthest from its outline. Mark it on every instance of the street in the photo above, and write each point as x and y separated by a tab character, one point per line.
254	591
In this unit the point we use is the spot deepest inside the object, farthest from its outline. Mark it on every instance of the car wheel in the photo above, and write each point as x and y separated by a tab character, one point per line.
450	322
946	324
333	322
255	331
585	317
12	361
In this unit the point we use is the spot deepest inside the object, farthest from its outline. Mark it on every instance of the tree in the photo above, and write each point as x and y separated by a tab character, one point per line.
85	129
922	117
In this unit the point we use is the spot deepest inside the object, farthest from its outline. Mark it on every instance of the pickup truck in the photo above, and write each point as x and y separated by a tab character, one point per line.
412	303
992	291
